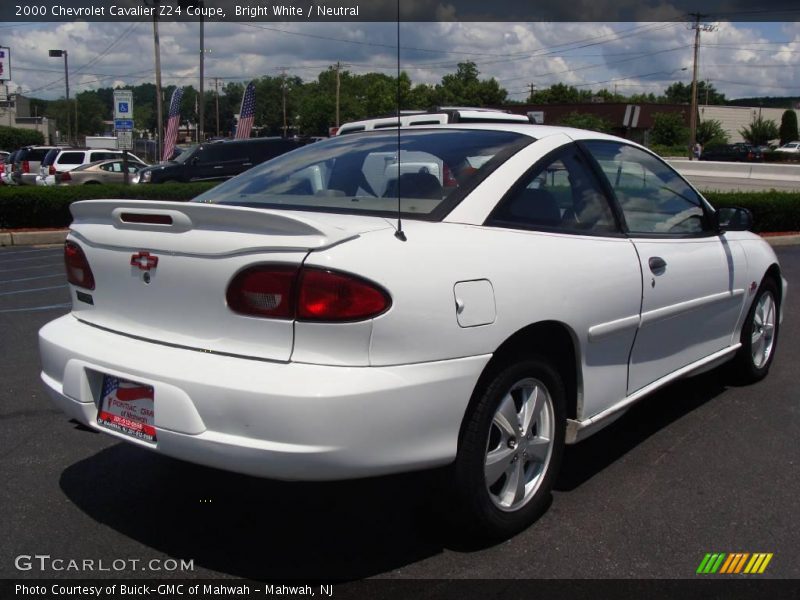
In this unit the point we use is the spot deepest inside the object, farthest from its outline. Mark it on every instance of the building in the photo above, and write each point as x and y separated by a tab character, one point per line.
736	118
15	111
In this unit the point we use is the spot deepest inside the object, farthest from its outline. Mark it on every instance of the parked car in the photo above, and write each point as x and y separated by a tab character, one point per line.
295	323
27	162
434	117
733	153
63	160
793	147
8	168
218	160
103	171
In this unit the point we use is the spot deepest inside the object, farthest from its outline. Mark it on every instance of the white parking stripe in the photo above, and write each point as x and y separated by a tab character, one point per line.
33	278
17	260
52	287
54	249
29	268
34	308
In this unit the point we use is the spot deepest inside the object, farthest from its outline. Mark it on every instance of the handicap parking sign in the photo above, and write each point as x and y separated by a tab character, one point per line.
123	107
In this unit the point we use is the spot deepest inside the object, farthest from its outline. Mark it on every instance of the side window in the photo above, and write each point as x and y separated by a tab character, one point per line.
94	156
70	158
653	197
561	194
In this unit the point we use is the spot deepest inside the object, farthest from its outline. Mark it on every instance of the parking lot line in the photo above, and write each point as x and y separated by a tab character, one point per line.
16	260
35	308
50	265
41	289
32	278
6	253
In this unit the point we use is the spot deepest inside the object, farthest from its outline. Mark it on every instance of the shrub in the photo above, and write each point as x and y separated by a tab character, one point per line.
669	151
788	130
772	211
760	131
670	130
710	133
585	121
12	138
34	206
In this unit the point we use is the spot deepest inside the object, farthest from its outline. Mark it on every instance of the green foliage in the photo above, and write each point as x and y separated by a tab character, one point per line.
585	121
669	151
669	130
760	131
12	138
788	129
560	94
465	89
772	211
710	133
32	206
681	93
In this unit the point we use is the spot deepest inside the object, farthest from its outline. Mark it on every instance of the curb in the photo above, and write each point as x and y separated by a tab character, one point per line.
33	238
37	238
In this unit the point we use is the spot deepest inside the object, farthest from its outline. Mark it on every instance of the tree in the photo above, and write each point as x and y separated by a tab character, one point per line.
669	129
560	93
710	133
91	113
464	88
788	130
760	131
681	93
585	121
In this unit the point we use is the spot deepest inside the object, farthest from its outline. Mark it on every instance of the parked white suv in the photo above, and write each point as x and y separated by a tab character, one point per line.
61	160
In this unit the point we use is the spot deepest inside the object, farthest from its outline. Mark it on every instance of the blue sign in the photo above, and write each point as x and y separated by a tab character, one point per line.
123	124
123	107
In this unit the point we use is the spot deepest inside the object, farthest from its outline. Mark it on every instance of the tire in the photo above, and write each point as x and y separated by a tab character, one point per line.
759	335
502	478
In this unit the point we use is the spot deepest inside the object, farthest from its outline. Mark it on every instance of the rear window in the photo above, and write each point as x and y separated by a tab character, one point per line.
32	154
367	173
50	157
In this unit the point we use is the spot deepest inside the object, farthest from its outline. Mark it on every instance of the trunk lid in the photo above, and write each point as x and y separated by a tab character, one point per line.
161	269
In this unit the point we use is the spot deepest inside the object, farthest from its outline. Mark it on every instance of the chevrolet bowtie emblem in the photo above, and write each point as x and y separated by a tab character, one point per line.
144	261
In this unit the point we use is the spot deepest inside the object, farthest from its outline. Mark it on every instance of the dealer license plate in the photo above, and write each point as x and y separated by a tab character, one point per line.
127	407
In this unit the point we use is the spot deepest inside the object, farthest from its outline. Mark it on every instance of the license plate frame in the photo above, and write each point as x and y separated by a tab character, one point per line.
127	407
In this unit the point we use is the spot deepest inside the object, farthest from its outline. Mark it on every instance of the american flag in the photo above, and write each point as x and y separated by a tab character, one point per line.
173	121
246	113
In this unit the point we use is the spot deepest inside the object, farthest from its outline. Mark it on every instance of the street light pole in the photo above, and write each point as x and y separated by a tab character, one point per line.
59	54
201	111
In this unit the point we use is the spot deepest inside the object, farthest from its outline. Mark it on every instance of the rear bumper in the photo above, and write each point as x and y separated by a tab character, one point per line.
288	421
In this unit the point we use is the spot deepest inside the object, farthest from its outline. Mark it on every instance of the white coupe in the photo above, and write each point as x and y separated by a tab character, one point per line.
476	295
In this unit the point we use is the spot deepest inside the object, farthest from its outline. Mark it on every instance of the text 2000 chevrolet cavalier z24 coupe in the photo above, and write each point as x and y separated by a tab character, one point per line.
543	280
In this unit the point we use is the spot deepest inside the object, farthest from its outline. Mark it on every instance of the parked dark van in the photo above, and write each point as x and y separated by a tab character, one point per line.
218	159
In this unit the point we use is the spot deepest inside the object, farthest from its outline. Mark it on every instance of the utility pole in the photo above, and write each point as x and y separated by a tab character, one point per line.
693	117
216	98
283	93
159	106
200	125
531	88
338	84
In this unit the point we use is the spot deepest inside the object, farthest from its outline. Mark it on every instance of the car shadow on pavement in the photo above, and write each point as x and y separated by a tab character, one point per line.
589	457
262	529
255	528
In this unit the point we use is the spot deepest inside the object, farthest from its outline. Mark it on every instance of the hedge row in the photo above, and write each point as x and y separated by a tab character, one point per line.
33	206
12	138
772	211
37	207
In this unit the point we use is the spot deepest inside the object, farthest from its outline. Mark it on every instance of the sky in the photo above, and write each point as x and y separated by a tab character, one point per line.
739	59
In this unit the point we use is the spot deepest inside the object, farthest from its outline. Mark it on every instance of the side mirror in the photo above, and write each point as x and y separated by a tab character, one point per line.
733	219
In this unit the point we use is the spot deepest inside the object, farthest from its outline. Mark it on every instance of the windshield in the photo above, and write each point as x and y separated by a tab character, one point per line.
365	173
185	154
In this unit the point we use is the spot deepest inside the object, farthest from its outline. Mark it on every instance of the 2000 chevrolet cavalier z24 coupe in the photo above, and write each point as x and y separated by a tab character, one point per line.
280	325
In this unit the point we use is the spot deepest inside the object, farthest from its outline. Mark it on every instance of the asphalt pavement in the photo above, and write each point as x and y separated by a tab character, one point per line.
699	467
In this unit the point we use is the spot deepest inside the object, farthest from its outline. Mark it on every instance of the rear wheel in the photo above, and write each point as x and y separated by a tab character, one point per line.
510	450
759	335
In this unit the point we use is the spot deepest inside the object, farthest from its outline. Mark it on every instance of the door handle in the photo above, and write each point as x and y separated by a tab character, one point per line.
657	265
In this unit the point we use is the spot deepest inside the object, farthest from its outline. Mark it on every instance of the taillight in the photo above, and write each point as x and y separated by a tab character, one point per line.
448	180
26	166
65	176
308	294
263	291
51	170
78	270
330	296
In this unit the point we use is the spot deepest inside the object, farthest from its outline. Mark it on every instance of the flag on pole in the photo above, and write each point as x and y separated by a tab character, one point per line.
173	122
246	113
